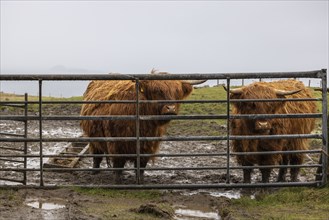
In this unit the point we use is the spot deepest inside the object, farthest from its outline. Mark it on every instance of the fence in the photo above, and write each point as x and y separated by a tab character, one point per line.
223	172
24	150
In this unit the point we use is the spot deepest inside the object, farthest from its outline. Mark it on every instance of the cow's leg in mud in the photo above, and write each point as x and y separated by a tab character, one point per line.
247	172
118	163
319	170
270	159
143	163
247	175
266	173
296	159
96	160
96	163
283	171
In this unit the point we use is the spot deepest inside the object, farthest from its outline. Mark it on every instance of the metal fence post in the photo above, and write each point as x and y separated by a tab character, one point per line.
25	136
228	132
40	133
138	161
324	128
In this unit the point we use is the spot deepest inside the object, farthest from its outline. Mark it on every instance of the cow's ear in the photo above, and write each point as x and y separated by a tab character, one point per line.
236	96
187	89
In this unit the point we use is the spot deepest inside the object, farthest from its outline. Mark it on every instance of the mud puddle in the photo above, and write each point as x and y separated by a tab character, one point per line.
182	214
44	205
230	194
47	209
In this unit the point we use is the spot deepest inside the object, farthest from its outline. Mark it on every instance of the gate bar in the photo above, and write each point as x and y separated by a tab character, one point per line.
165	168
5	103
172	186
177	76
12	180
161	117
11	148
12	134
171	155
174	138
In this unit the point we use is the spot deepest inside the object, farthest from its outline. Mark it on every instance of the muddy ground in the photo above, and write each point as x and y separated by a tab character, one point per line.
72	203
68	203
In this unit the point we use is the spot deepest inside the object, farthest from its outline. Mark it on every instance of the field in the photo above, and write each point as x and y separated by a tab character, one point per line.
95	203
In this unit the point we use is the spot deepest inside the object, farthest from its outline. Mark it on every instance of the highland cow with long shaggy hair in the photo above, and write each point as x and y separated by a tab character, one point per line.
126	90
275	126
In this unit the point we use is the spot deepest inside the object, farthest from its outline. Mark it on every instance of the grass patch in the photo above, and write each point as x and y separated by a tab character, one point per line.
10	197
35	107
287	203
125	204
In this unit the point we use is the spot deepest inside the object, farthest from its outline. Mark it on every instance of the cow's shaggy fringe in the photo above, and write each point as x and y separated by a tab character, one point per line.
266	90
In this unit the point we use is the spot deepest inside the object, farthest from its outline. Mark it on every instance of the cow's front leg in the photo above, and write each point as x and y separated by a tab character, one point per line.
247	175
118	163
96	160
96	164
267	160
283	170
143	163
296	159
266	173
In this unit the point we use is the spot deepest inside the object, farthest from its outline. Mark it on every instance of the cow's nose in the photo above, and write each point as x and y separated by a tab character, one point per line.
169	109
262	125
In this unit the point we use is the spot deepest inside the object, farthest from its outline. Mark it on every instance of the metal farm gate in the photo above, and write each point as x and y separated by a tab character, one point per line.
204	160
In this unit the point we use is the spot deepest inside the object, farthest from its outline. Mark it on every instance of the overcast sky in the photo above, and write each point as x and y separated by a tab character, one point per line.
173	36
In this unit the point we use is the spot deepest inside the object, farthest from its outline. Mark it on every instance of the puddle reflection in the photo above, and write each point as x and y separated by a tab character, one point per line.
45	205
195	214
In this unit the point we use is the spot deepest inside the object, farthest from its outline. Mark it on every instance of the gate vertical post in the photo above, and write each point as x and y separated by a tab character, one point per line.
40	133
228	132
324	128
138	161
25	136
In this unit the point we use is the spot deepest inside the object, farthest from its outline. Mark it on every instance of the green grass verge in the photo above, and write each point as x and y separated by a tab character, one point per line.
287	203
126	204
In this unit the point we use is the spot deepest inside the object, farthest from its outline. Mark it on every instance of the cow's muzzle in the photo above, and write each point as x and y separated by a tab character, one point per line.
169	110
262	125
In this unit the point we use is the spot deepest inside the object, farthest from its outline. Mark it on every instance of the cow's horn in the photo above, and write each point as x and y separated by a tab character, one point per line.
284	92
194	82
234	91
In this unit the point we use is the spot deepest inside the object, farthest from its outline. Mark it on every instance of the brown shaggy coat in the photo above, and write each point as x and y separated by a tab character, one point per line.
277	126
126	90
